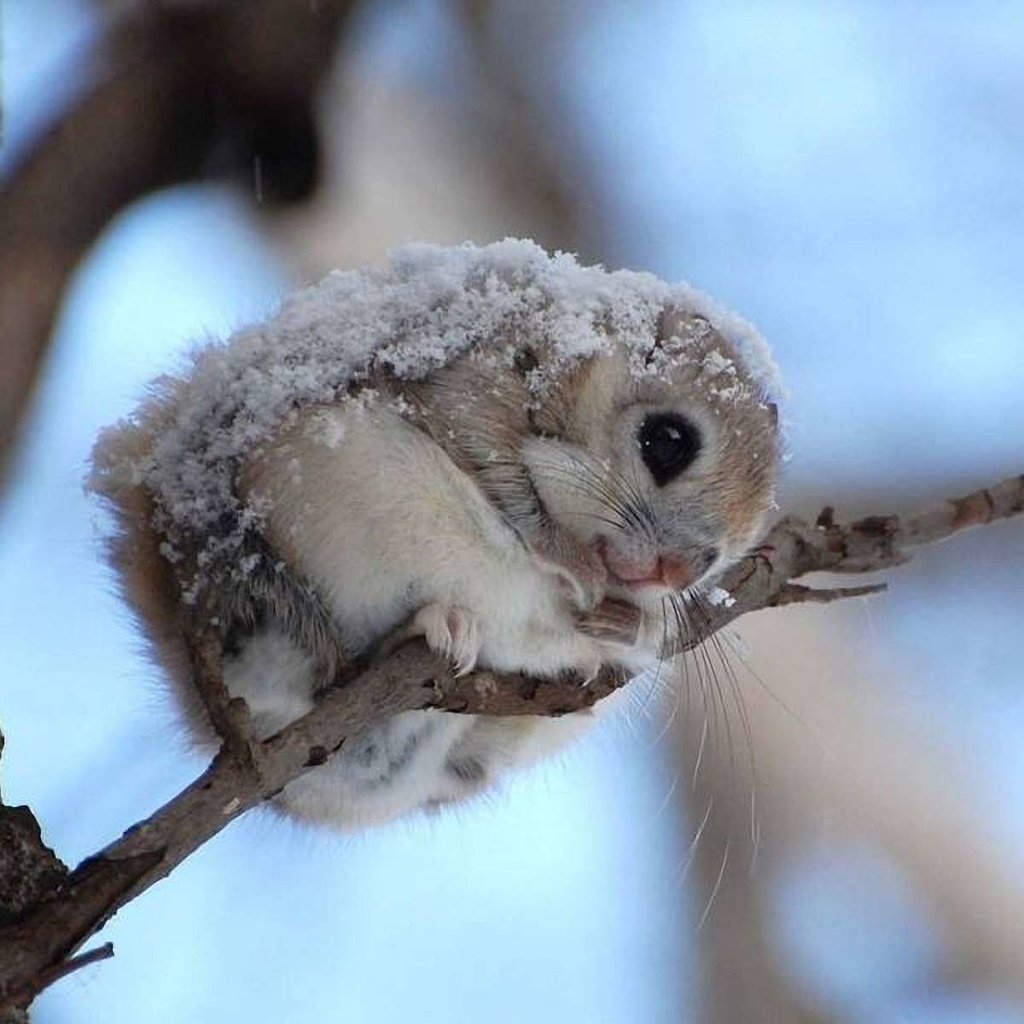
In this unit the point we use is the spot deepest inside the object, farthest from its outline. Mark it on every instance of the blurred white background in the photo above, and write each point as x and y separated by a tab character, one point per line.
849	176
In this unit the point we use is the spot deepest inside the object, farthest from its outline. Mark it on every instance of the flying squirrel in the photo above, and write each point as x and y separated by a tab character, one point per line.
483	446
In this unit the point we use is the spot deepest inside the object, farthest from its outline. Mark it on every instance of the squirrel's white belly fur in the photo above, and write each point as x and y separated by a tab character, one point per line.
384	525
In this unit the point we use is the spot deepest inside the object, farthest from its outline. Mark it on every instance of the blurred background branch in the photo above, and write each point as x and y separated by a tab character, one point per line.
185	90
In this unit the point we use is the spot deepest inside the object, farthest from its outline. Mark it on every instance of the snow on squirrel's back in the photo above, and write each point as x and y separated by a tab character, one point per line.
418	313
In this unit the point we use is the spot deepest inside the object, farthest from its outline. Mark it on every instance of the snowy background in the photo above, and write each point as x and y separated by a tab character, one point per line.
850	176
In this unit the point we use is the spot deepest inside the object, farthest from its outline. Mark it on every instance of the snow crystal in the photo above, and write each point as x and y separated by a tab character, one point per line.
326	429
715	363
751	348
416	314
719	597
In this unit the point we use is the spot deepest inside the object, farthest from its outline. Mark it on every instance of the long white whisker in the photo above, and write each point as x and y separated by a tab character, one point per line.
717	886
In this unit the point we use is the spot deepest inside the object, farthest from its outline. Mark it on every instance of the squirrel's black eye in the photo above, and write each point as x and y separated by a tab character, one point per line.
668	445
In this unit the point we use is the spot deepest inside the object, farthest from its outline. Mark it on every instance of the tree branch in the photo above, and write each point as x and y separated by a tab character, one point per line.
794	593
29	869
412	678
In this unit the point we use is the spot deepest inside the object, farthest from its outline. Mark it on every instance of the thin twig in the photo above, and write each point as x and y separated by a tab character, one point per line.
795	593
229	715
47	977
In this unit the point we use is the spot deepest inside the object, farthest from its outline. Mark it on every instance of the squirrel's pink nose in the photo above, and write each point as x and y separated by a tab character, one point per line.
678	572
674	572
665	570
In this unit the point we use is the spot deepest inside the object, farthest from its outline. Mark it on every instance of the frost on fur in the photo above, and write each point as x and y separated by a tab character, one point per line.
418	313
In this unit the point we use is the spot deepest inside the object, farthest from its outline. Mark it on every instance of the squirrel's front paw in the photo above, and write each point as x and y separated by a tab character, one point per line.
612	621
450	631
579	568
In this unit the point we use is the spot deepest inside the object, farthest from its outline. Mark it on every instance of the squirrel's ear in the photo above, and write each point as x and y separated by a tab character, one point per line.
773	413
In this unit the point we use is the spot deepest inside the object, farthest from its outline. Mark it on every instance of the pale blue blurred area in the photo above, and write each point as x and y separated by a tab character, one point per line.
889	944
851	177
44	59
880	969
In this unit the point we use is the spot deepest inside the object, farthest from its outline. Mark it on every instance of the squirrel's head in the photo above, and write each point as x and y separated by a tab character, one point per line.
663	458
